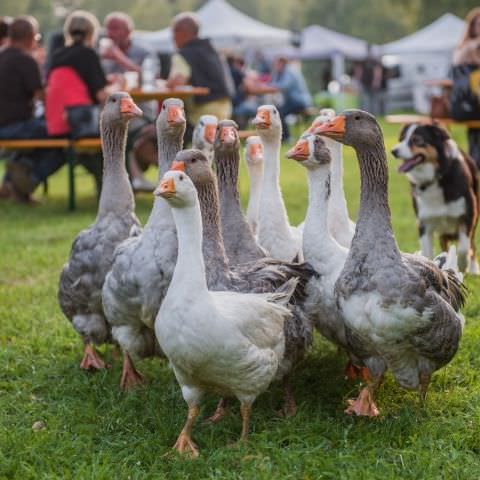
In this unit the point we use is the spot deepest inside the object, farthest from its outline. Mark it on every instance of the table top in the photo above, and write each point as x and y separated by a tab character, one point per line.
262	90
439	82
140	95
413	118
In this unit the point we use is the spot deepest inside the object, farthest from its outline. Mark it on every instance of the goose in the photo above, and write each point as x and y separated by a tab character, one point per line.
275	234
339	223
320	249
260	276
91	256
143	266
254	161
401	311
204	135
240	244
223	342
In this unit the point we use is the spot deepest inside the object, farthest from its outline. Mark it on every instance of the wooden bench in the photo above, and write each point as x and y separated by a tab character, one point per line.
70	147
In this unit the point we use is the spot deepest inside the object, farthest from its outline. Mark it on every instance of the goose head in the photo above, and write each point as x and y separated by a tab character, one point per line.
195	164
227	139
268	122
311	151
177	189
356	128
171	119
120	108
206	130
254	150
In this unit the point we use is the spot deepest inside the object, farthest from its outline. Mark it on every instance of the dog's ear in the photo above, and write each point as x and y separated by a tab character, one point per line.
403	132
440	139
438	132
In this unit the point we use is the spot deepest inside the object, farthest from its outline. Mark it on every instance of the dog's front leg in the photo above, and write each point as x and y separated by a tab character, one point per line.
426	240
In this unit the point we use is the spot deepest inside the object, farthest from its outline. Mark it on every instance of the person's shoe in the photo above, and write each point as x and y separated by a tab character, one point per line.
142	185
21	177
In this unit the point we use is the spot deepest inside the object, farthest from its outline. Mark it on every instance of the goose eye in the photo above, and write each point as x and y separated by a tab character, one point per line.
114	99
357	117
194	160
180	177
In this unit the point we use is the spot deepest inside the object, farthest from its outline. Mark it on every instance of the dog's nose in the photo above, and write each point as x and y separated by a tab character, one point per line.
395	152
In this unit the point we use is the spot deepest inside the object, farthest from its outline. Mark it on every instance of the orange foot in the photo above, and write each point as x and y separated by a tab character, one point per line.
185	446
219	413
352	372
364	405
92	360
131	377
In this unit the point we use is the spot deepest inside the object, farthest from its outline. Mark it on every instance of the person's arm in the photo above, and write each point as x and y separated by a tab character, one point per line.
468	52
180	72
115	54
284	82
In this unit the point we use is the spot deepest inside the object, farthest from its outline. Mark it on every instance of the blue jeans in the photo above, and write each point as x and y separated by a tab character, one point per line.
289	107
44	162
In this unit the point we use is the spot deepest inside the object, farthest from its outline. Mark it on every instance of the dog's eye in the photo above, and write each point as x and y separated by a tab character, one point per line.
419	142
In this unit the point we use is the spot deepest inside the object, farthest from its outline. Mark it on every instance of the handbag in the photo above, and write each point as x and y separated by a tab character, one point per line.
464	100
84	121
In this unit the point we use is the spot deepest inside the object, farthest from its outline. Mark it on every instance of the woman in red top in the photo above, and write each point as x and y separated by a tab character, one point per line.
76	76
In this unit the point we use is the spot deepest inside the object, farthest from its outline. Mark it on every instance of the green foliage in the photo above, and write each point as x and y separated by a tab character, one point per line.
92	430
376	21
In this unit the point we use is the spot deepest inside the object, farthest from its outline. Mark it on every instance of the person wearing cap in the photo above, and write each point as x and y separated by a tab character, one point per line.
197	63
20	89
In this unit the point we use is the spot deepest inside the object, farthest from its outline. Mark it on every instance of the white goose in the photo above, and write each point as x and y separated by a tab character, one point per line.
254	161
143	266
339	223
275	234
204	136
226	342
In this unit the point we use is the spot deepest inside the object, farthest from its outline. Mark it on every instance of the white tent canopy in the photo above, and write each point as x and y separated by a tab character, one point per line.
423	55
226	26
440	36
320	43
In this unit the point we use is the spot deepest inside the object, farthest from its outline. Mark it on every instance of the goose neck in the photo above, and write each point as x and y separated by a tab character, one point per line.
227	165
316	236
374	219
213	247
168	147
189	275
271	152
116	193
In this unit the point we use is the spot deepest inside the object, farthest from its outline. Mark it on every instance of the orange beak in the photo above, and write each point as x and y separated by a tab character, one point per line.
255	151
262	120
335	128
210	132
175	114
228	135
129	108
179	166
166	189
300	151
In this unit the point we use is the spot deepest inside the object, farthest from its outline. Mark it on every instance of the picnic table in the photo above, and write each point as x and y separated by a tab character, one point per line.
162	94
427	119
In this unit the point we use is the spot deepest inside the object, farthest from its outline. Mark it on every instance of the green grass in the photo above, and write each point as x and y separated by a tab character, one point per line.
94	431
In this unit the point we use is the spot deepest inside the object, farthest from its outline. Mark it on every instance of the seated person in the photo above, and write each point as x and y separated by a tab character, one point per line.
291	83
244	105
122	55
76	78
198	63
20	88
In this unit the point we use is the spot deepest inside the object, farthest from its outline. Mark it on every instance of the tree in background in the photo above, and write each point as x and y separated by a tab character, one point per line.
377	21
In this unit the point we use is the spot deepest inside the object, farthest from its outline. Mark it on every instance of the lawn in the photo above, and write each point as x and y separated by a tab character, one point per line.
92	430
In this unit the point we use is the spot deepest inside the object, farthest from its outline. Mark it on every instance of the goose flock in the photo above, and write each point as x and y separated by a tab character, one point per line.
232	300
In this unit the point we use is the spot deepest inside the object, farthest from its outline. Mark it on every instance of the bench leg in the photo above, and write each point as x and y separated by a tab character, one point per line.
71	179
